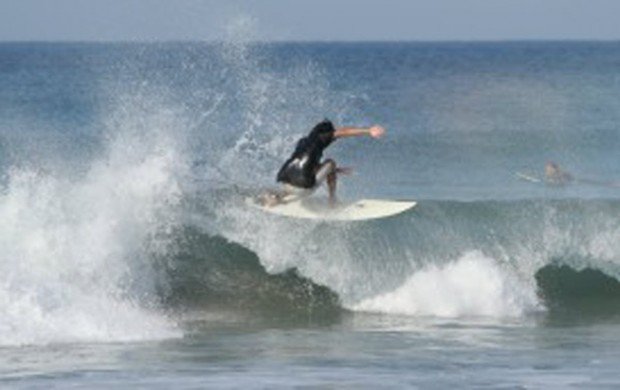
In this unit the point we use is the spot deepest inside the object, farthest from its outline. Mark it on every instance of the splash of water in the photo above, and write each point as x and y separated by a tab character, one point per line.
74	263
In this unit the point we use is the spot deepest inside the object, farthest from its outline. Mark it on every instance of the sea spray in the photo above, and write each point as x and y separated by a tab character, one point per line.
77	252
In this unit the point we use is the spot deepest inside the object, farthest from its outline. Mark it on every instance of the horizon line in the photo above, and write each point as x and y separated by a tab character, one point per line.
321	41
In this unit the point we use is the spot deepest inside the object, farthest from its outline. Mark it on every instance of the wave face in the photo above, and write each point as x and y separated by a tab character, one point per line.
445	258
124	169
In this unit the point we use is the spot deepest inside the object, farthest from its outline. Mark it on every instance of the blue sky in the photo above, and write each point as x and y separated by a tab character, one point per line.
163	20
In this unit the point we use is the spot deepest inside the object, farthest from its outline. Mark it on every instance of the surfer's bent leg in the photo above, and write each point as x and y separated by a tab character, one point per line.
327	172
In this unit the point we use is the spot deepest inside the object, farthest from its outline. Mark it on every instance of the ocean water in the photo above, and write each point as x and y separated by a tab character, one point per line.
128	258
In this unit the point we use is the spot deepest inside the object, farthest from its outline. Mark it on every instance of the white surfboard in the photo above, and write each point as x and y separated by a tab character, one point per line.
528	177
319	209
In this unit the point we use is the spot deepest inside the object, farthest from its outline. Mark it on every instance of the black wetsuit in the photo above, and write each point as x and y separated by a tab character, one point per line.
300	169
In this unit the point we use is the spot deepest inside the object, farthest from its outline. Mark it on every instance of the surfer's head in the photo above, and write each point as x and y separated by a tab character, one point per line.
551	169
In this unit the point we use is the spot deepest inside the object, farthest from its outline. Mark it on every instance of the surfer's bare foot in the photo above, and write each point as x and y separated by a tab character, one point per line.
269	199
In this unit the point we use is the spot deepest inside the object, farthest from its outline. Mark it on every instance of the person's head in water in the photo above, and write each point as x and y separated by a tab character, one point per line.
551	169
555	175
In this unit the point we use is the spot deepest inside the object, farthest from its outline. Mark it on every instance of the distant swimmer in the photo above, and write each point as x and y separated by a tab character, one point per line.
556	176
304	171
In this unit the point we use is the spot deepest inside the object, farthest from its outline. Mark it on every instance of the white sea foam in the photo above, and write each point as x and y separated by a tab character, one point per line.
74	253
473	285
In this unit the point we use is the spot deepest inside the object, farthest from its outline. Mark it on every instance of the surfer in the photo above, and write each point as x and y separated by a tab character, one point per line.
304	171
556	176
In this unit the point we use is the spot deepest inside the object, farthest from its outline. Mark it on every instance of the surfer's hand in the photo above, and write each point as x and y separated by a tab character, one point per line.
344	170
376	131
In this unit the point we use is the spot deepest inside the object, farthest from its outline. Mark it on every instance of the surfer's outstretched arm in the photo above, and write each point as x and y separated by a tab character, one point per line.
375	131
